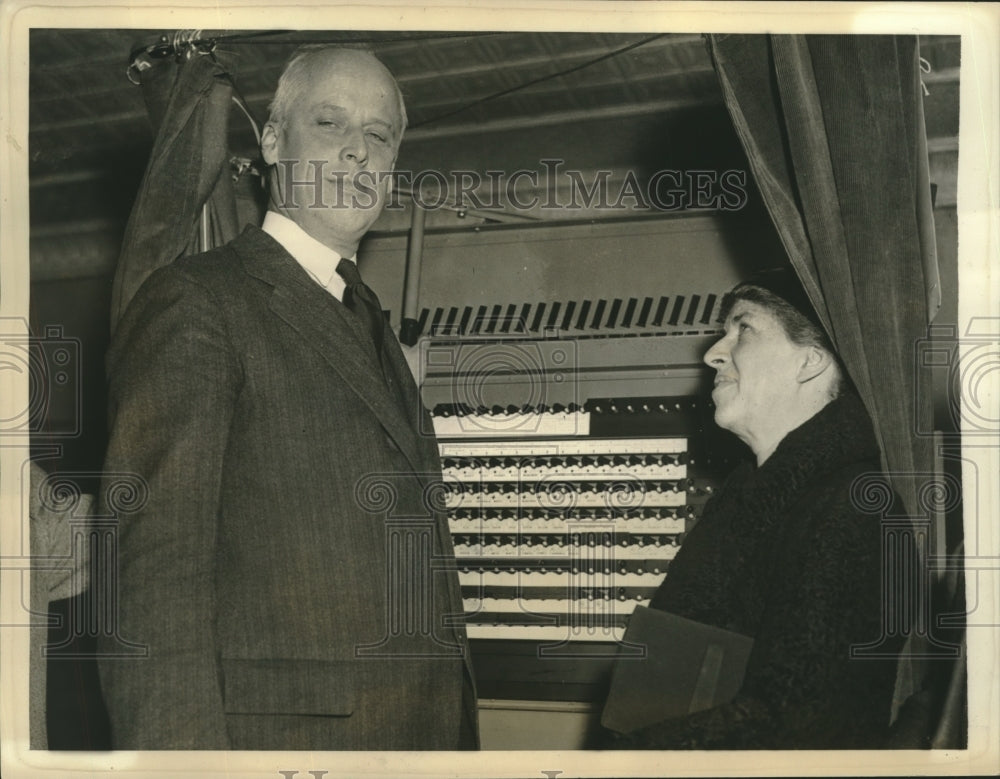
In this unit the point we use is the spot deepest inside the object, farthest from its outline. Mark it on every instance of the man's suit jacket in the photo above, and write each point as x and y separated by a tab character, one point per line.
284	568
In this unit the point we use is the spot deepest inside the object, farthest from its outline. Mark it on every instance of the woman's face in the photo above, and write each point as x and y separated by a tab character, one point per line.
757	369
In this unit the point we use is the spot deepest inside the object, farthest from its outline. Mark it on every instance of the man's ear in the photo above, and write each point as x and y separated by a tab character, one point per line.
269	143
815	362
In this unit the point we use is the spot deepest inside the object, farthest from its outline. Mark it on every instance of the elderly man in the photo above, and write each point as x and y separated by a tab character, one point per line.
261	395
782	553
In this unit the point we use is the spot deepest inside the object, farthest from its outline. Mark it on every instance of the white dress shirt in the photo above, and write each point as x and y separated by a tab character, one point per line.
317	259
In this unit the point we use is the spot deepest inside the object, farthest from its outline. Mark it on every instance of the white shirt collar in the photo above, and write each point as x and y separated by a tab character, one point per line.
317	259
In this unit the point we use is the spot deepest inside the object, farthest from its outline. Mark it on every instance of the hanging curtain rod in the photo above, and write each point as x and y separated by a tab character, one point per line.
185	42
181	42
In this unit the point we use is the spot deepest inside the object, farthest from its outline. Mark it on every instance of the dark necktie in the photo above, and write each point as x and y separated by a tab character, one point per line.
362	302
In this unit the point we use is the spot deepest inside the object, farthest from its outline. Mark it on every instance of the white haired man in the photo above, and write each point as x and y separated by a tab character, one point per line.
261	395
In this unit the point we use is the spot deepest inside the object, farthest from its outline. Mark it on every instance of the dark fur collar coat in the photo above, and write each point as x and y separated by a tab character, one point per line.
783	554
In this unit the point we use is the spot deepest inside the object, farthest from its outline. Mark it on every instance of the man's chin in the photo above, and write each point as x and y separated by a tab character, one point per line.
343	227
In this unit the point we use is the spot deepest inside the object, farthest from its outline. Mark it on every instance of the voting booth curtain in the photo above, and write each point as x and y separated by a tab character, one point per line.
833	128
186	201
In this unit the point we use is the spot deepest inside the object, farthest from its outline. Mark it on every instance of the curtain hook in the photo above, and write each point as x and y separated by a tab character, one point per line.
182	44
137	65
188	42
925	67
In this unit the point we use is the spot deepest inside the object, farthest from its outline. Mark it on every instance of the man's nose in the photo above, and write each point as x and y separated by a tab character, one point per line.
355	148
717	354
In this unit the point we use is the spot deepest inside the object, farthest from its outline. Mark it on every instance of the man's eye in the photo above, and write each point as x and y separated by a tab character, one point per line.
377	136
327	123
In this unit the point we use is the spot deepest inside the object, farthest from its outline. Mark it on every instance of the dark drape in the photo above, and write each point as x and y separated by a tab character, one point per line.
833	128
189	101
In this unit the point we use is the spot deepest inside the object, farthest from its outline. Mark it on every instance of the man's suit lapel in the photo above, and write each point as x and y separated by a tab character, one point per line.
404	382
330	328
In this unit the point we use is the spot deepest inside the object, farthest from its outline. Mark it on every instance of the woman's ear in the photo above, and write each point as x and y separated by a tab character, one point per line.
815	362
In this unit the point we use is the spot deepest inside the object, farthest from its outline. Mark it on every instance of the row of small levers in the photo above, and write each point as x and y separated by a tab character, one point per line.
527	522
592	406
564	462
515	544
556	483
629	497
555	565
504	549
592	619
516	450
560	573
660	467
459	420
583	519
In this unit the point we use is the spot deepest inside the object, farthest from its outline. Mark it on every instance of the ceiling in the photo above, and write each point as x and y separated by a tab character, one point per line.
503	101
81	99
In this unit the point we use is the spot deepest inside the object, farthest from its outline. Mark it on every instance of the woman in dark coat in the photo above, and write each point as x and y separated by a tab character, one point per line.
782	553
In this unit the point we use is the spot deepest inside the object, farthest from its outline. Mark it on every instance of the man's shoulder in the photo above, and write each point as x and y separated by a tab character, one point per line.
225	272
222	261
221	277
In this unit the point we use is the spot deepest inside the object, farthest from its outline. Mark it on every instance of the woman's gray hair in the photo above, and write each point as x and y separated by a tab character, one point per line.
295	77
800	329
